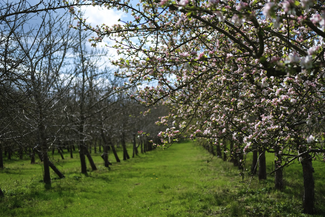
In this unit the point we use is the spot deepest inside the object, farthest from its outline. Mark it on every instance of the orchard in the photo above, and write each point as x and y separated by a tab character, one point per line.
247	72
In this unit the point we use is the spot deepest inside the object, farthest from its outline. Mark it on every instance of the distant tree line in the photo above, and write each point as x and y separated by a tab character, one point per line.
57	94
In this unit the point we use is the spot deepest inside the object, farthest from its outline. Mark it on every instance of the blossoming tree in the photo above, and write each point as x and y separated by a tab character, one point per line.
251	71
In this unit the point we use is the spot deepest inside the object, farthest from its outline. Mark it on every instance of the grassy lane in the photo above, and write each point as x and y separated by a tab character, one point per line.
173	182
180	181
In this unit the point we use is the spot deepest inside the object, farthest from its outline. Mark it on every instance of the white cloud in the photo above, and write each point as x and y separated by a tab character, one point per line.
96	15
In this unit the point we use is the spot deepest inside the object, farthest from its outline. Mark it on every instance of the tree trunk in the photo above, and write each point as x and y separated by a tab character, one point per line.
135	152
262	166
100	146
224	152
125	151
60	152
254	163
90	159
231	151
46	177
1	193
1	156
89	147
82	158
141	142
21	153
219	154
105	156
240	163
71	151
279	173
9	153
53	167
115	153
309	185
32	156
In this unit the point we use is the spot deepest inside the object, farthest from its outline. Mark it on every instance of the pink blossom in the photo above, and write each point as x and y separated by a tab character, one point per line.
310	139
163	2
183	2
315	18
268	10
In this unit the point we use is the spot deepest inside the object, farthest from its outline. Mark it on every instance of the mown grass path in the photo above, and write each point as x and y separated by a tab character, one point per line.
171	182
183	180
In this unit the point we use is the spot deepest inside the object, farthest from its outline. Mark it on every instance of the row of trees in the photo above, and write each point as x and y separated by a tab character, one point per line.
56	92
249	72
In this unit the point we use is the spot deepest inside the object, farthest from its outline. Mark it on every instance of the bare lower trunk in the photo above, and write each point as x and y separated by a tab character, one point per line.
141	142
1	193
240	163
82	158
105	156
53	167
211	149
125	151
309	185
106	148
60	152
46	175
90	159
21	153
278	173
115	153
219	154
32	156
254	163
71	151
262	166
1	156
134	146
224	152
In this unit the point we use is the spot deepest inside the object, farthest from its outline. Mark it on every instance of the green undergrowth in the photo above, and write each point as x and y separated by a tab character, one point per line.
183	180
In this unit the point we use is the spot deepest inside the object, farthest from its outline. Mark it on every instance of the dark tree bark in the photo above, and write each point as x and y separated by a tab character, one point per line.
135	149
309	185
8	153
125	151
46	176
91	161
60	152
141	143
219	154
278	173
262	165
231	151
32	156
21	153
1	156
224	152
240	163
1	193
105	156
95	146
115	153
71	150
82	158
254	163
105	147
55	169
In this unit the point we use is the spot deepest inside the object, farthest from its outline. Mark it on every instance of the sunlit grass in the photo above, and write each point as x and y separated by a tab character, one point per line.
183	180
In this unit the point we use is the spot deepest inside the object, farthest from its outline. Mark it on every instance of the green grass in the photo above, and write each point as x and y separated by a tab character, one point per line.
183	180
